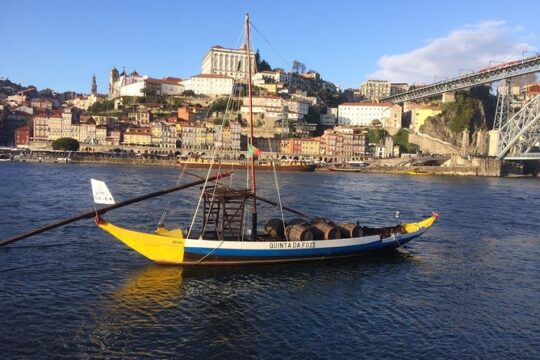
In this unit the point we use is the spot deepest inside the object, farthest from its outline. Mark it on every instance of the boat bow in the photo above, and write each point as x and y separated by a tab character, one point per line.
164	246
421	225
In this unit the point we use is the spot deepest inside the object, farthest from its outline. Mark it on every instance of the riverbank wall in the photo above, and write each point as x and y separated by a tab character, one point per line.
480	167
476	167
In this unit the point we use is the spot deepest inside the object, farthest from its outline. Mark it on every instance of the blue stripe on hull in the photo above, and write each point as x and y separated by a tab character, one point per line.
343	250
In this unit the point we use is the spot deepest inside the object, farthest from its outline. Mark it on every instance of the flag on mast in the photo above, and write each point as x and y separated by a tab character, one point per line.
253	151
101	192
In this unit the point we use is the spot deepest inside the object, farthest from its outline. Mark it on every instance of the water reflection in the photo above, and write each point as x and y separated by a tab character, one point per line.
154	287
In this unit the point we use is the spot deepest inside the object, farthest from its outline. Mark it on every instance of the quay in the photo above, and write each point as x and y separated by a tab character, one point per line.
454	167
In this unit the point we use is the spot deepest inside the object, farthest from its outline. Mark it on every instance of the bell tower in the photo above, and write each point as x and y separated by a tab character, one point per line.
113	78
94	86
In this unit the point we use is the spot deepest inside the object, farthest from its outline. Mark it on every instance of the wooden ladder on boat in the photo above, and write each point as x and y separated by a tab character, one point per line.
224	212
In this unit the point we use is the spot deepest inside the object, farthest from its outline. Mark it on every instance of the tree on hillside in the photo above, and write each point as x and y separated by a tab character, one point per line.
401	138
461	112
262	65
376	136
102	106
149	91
65	143
298	67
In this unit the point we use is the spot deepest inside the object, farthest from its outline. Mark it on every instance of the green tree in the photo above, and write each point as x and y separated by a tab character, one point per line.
188	93
101	106
261	64
376	136
461	112
299	67
401	138
221	105
65	143
149	91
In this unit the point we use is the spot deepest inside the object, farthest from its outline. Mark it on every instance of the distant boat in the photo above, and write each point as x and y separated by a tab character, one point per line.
5	158
64	160
350	166
417	172
243	165
344	169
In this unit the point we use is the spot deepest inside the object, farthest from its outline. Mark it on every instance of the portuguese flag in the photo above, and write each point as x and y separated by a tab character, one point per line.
253	151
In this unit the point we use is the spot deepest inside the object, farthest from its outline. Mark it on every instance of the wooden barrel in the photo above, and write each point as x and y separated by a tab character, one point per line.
275	228
324	231
298	232
322	220
350	230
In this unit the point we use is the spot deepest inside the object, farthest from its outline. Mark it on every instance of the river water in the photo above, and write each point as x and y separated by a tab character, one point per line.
469	288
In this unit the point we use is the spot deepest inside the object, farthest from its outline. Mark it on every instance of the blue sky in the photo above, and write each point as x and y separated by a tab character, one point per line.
61	44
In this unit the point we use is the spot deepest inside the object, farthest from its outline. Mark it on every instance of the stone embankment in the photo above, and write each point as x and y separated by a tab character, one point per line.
480	167
432	145
124	161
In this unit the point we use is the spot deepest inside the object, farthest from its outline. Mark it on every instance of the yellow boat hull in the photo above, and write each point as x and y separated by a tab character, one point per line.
163	247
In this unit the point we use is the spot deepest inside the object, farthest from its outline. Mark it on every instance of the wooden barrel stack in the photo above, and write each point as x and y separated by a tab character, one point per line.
324	229
298	232
350	230
320	229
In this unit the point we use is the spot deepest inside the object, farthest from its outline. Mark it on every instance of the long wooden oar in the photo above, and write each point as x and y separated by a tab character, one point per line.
270	202
91	214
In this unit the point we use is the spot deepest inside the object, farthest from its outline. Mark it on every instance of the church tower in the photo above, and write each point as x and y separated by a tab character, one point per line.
113	78
94	85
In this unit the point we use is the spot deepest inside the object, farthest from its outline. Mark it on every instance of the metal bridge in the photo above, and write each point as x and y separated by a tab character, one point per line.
519	133
519	136
484	76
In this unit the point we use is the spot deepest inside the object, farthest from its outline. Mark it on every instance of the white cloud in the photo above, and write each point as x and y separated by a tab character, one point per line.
465	49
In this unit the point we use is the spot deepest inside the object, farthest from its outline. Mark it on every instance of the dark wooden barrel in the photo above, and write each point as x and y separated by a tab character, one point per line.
350	230
324	231
275	228
298	232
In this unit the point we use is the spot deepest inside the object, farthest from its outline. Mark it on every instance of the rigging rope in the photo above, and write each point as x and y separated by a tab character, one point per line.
277	190
286	62
212	201
168	206
200	198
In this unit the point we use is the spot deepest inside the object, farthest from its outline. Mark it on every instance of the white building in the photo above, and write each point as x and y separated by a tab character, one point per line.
84	102
364	113
296	106
265	77
133	85
147	85
209	84
329	119
229	62
375	89
277	108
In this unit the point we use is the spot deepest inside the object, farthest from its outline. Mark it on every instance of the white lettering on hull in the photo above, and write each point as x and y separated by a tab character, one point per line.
292	245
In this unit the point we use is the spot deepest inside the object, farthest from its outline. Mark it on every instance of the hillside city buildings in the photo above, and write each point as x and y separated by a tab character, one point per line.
290	117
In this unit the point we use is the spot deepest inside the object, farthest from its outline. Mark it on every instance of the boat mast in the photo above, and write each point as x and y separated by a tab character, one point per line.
250	101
